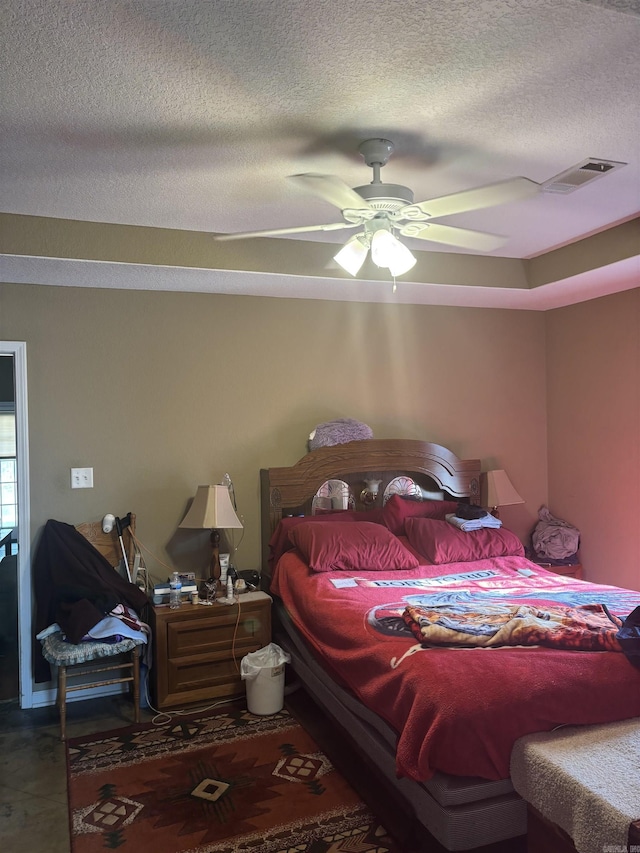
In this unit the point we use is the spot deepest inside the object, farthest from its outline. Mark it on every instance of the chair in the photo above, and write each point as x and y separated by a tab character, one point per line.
76	661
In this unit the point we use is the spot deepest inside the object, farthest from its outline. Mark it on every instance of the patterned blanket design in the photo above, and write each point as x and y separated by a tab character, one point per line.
589	627
395	617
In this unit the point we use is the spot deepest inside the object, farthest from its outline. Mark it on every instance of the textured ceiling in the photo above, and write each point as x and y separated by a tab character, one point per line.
190	114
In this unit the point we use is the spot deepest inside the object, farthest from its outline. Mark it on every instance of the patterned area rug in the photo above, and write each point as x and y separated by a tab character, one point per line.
214	783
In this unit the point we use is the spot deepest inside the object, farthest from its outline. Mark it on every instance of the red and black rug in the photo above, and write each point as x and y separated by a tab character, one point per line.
225	782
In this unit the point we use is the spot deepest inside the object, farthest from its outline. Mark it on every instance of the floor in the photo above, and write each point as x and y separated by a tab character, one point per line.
33	779
33	784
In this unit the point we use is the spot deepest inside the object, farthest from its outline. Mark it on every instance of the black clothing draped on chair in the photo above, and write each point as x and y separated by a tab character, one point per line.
74	586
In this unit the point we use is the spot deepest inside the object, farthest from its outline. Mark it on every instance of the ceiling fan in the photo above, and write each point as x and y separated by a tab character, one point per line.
382	209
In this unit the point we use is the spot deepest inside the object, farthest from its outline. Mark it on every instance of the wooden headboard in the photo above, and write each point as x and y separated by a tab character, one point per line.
290	491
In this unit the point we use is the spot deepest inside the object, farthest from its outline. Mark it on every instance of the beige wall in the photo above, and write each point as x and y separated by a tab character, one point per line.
593	381
160	392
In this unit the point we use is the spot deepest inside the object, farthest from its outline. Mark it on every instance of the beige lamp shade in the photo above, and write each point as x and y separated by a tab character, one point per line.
500	490
211	509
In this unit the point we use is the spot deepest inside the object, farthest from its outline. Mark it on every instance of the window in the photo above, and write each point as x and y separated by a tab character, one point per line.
8	472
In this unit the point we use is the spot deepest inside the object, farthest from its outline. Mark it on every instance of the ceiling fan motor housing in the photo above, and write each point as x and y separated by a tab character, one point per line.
386	196
376	152
381	196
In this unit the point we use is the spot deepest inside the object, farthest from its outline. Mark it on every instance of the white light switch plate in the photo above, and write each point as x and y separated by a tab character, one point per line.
82	478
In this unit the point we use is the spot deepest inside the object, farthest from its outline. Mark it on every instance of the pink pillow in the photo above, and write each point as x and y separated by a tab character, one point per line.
361	547
280	541
441	542
397	509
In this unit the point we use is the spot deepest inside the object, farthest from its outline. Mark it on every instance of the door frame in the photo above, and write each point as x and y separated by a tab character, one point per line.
18	349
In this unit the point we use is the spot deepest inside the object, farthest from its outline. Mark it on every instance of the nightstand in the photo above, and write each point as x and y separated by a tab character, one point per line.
194	648
574	571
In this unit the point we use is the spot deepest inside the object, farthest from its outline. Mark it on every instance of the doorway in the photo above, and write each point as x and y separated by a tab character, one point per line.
16	680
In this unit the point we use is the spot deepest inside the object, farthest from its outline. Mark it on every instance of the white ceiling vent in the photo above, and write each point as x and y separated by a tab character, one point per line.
578	176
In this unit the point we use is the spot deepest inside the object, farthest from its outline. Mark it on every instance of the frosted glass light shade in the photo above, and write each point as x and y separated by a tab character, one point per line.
211	509
351	256
387	251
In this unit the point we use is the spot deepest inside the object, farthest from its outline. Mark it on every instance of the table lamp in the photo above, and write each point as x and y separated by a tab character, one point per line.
212	509
500	491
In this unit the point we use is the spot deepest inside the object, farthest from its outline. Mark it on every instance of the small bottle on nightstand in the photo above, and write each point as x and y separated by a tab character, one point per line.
175	591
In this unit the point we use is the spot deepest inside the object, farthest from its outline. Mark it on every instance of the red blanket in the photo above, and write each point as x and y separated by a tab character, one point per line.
458	710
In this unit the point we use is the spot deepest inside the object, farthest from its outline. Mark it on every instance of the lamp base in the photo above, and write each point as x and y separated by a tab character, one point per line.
215	555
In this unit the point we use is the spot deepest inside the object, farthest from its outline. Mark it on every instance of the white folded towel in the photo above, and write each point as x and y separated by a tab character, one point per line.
468	524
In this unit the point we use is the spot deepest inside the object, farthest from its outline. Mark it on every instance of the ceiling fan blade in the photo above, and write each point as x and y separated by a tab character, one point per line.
513	189
331	189
273	232
462	237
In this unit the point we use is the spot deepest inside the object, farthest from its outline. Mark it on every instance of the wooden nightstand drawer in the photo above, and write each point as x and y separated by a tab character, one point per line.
207	677
189	636
198	649
574	571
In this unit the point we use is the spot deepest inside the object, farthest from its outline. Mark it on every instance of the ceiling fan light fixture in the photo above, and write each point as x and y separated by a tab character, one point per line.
352	255
388	252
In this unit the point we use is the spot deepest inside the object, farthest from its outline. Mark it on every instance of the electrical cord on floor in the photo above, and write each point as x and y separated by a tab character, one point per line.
160	718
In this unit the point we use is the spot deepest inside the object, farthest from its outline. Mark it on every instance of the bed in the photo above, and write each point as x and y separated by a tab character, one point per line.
438	716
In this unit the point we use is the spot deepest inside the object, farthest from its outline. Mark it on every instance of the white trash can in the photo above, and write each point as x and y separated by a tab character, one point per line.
263	672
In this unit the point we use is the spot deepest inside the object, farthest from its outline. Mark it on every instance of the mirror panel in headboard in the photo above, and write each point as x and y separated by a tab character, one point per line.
291	490
333	495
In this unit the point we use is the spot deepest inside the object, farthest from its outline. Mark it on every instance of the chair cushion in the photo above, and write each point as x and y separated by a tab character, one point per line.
60	653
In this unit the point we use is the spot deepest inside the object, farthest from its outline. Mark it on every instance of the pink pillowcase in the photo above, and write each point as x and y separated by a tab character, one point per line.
441	542
361	546
397	509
